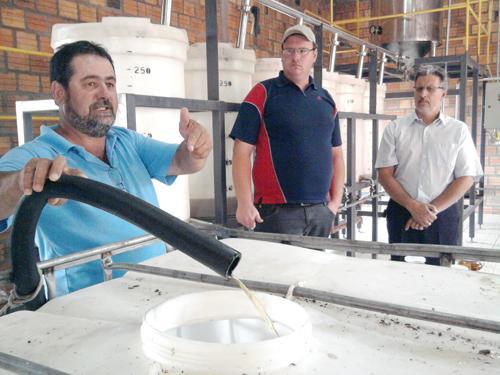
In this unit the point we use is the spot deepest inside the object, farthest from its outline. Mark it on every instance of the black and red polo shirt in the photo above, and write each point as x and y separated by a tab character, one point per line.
294	133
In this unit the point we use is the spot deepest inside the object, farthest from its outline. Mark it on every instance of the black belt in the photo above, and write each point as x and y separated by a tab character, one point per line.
291	205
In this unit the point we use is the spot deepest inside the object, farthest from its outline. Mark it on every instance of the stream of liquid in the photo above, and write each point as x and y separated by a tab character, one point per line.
258	305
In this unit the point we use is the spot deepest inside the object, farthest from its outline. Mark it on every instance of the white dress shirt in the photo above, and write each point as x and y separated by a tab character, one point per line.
427	158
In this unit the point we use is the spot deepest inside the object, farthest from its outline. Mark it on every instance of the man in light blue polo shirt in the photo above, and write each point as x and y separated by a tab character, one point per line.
85	143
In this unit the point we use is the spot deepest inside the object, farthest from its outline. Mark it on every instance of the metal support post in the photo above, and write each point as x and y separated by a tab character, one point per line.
361	61
472	191
482	157
245	9
462	107
333	52
372	75
217	116
351	178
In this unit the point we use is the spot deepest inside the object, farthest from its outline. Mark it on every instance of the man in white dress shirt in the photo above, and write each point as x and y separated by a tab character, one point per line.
426	162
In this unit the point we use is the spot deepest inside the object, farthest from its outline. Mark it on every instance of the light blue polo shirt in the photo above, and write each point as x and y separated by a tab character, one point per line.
133	160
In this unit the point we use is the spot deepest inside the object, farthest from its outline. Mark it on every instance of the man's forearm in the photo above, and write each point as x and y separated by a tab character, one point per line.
184	162
10	192
395	190
337	185
453	192
242	179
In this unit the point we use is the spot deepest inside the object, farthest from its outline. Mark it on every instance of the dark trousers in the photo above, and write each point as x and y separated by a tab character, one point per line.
306	220
443	231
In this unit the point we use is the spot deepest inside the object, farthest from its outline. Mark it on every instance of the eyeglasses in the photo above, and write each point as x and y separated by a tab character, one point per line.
301	51
430	89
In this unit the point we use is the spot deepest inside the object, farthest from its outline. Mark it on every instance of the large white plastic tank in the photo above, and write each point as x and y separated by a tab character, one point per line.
347	92
236	67
266	68
149	60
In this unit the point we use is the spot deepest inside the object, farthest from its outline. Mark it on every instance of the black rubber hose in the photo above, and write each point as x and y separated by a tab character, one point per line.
198	245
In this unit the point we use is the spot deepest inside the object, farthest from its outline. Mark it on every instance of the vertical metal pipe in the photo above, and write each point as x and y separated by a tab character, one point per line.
482	155
382	69
434	47
217	116
462	92
361	60
242	34
472	191
166	12
333	52
351	178
372	75
448	24
318	65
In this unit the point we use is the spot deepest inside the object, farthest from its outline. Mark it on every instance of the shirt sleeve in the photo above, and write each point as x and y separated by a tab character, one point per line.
157	157
386	156
336	137
247	125
468	163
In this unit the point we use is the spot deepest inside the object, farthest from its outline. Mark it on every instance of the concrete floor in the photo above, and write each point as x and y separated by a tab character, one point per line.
486	236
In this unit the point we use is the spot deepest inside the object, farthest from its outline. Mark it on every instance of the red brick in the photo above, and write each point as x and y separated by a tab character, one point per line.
26	4
68	9
18	61
37	22
45	45
87	13
39	64
13	18
6	37
130	7
27	41
8	82
29	83
47	6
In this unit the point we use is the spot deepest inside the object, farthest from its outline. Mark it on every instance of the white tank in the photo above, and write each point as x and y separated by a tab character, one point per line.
236	67
149	60
267	67
347	92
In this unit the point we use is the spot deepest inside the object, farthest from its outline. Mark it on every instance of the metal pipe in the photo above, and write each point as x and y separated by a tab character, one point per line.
242	34
96	252
25	51
333	52
361	61
448	24
277	6
383	59
434	48
166	12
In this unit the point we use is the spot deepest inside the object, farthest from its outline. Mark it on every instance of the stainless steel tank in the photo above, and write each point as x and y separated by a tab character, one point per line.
412	35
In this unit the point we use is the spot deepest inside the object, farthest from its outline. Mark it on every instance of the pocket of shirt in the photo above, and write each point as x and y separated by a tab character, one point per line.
446	156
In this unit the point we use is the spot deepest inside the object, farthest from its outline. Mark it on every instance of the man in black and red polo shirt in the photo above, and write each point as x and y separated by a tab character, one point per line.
292	126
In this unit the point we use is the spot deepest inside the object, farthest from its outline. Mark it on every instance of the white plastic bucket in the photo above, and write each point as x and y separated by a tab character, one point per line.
220	335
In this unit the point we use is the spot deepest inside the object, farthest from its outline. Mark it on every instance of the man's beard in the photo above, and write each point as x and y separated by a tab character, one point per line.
90	125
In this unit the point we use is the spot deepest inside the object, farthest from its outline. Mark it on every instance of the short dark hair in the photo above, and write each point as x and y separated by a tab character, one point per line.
60	64
435	70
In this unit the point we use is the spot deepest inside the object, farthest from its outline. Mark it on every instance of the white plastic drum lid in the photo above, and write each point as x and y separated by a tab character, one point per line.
237	349
149	60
